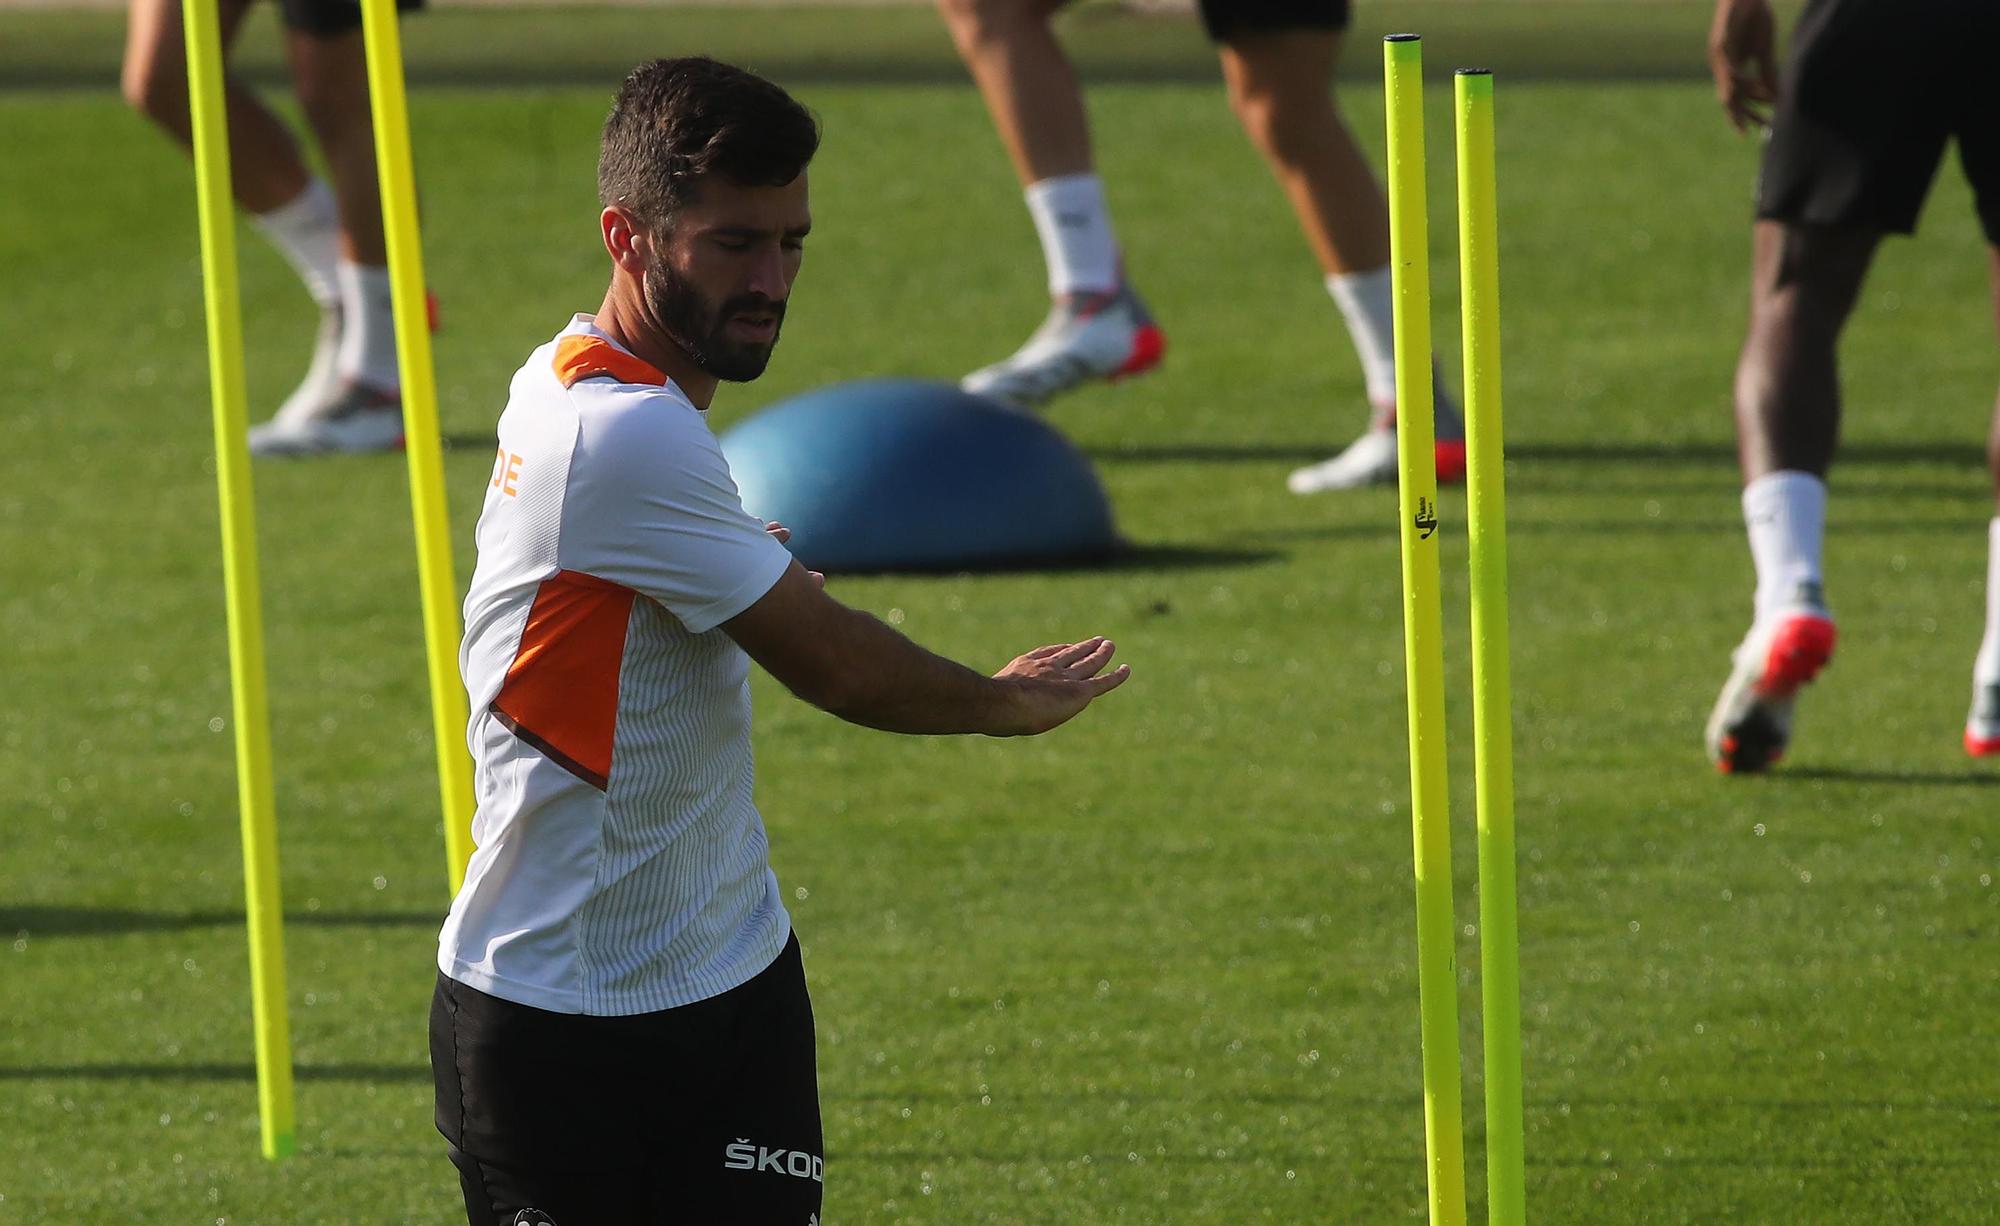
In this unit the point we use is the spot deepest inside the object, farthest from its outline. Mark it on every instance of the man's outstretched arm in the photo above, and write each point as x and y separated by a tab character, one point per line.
850	664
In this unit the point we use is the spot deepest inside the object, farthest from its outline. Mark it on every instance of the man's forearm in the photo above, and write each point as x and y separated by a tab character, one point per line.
891	683
846	662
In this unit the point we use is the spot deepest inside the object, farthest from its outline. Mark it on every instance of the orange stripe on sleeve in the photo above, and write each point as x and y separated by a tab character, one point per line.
586	357
561	693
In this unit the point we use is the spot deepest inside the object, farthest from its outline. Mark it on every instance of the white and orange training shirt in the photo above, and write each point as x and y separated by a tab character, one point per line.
622	865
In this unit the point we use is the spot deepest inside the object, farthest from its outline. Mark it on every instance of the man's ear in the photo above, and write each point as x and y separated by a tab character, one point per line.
628	242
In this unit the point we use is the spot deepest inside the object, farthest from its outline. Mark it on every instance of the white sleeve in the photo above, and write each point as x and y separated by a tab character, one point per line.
651	506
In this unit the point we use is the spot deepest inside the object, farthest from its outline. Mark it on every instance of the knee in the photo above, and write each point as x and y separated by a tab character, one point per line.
1276	119
977	25
1799	316
335	105
1256	108
156	90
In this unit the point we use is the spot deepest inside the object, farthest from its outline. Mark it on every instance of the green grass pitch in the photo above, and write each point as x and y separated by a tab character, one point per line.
1158	967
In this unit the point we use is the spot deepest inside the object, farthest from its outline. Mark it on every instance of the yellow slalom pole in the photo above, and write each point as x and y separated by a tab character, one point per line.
239	578
1493	741
435	578
1423	627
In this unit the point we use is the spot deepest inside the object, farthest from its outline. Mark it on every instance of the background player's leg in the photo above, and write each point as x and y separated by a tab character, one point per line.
265	168
1097	327
1030	89
330	73
1804	281
1993	435
294	209
1280	86
358	407
1982	725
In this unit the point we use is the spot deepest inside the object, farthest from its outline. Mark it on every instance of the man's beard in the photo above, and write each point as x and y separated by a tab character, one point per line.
699	327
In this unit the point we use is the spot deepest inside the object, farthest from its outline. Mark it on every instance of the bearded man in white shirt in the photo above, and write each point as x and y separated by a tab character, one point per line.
621	1031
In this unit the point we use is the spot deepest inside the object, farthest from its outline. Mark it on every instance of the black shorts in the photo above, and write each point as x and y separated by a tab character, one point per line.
1225	19
706	1113
329	17
1873	90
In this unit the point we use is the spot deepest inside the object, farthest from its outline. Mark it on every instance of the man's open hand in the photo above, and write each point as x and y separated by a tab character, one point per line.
1051	684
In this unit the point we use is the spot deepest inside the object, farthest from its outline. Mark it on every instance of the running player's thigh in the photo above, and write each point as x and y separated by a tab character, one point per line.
1820	267
996	10
329	17
156	45
330	75
1280	62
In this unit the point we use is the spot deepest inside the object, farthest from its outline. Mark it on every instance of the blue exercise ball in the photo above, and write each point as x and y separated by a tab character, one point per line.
905	474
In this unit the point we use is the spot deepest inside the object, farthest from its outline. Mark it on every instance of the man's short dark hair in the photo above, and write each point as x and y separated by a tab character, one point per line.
677	121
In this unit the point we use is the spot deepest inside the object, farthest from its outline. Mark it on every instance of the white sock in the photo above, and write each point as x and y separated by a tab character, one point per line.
307	230
1368	303
368	335
1075	228
1786	514
1986	665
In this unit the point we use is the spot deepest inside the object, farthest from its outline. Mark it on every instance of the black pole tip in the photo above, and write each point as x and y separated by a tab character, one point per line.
1402	38
1475	72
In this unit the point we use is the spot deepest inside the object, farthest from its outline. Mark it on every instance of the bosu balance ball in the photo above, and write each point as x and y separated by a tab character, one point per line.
904	474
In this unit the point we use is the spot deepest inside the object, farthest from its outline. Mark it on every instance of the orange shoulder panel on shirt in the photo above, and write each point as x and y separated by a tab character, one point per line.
585	357
561	692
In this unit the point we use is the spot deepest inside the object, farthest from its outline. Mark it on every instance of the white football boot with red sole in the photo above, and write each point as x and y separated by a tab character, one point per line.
1982	723
1752	721
1085	337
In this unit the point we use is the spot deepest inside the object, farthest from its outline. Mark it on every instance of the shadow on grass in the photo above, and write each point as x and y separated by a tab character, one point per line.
1693	454
211	1072
1842	774
1648	526
1724	453
1634	526
1128	558
1139	558
1214	453
106	921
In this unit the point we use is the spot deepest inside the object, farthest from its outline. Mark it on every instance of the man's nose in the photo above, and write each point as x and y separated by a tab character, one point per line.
769	275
